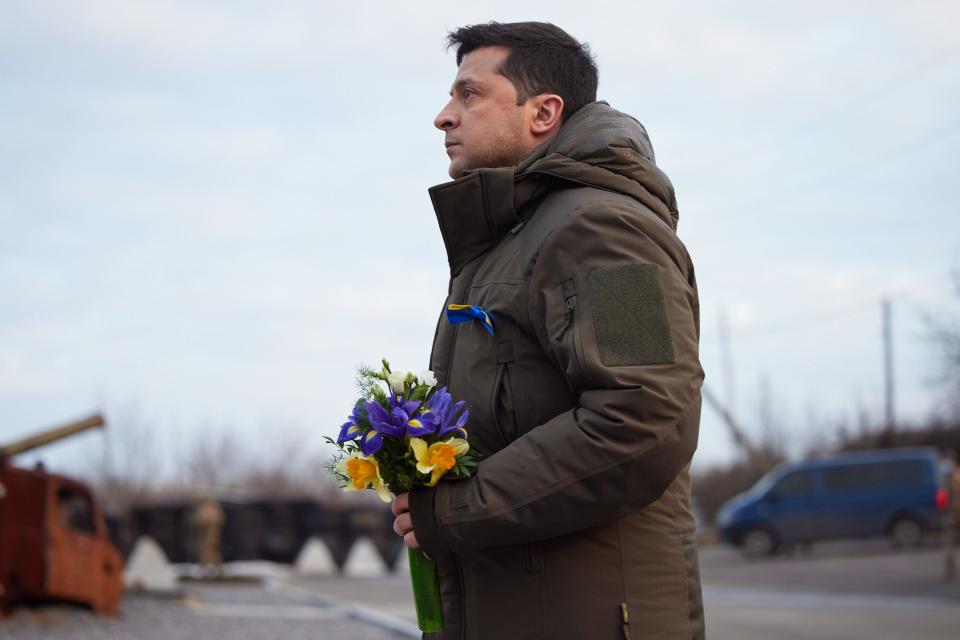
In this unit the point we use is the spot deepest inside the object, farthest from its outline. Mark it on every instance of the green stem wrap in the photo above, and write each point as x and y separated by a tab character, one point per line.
426	591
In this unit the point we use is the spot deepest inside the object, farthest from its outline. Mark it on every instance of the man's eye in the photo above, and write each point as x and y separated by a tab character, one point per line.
468	93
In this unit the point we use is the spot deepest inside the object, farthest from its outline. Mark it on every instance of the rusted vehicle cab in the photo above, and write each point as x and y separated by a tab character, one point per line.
54	543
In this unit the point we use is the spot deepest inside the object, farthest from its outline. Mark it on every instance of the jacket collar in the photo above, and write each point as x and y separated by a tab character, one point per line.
474	212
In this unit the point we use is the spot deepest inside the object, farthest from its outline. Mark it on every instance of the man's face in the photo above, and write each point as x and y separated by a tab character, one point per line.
483	124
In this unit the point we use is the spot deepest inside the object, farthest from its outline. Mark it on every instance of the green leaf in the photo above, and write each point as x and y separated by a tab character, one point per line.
420	393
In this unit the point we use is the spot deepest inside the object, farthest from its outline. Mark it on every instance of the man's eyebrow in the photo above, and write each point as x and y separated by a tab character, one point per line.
462	82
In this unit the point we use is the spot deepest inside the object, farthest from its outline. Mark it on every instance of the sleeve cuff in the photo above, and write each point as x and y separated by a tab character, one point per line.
424	516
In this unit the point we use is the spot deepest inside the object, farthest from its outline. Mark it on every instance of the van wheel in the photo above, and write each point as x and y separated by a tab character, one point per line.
757	543
905	533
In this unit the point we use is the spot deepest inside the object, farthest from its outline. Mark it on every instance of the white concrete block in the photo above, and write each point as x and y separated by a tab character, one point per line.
148	567
364	561
315	559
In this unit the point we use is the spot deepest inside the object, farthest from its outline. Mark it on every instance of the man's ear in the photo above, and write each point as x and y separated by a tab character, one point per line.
548	116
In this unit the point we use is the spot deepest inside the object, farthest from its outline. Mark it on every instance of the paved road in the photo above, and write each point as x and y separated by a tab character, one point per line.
861	567
853	591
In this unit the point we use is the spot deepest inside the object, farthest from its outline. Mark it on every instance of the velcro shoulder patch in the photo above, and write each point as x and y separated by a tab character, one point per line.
630	315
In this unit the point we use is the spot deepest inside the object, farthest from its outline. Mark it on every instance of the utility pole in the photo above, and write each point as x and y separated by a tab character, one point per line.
887	311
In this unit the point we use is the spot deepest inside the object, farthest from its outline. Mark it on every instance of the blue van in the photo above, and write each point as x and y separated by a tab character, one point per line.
894	492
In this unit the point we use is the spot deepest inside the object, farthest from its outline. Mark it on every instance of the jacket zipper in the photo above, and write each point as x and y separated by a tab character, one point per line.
498	386
463	596
456	560
495	403
569	308
529	558
624	613
569	326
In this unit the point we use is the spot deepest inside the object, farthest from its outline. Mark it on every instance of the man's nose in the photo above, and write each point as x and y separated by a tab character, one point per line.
446	119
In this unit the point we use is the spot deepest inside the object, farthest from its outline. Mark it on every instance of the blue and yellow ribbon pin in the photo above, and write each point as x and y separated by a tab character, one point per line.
457	313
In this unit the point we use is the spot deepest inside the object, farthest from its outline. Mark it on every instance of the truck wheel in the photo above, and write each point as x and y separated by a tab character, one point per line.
757	543
905	533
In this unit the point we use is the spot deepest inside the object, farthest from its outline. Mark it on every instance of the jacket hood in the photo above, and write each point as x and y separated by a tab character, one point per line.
604	148
597	147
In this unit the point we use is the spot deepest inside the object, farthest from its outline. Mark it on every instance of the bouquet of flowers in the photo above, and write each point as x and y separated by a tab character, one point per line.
404	433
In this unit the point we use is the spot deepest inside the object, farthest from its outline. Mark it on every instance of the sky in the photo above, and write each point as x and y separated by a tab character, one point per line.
211	213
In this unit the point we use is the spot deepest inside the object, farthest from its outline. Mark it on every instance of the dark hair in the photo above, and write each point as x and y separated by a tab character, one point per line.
543	59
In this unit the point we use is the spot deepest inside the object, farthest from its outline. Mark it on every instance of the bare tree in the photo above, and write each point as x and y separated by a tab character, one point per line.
217	461
945	333
286	468
214	462
129	468
272	464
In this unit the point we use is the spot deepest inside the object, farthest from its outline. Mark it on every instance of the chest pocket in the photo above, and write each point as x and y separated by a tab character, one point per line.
523	388
507	302
503	408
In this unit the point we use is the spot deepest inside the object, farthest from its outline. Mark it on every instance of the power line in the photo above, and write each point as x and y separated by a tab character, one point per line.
868	97
806	321
895	81
880	159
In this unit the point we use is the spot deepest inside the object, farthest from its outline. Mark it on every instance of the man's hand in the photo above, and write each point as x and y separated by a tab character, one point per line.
403	524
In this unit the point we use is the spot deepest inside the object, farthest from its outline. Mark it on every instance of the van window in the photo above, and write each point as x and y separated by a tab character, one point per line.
75	510
793	485
874	474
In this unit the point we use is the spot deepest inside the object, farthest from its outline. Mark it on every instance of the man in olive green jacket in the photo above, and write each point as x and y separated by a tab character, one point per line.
585	399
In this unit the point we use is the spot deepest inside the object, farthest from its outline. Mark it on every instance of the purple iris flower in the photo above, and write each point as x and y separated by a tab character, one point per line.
351	429
446	415
402	420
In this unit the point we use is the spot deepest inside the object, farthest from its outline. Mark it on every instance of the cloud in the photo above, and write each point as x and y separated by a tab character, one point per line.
169	34
220	210
19	376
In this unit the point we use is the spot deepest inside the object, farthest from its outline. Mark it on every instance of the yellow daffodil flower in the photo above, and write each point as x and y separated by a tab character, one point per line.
439	457
363	472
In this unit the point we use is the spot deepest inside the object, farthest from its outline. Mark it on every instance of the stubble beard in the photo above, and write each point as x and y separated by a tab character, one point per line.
502	149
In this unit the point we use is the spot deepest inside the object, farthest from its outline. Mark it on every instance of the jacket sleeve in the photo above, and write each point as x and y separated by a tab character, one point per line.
614	303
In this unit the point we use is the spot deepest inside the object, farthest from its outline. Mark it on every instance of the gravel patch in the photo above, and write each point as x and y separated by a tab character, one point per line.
208	611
